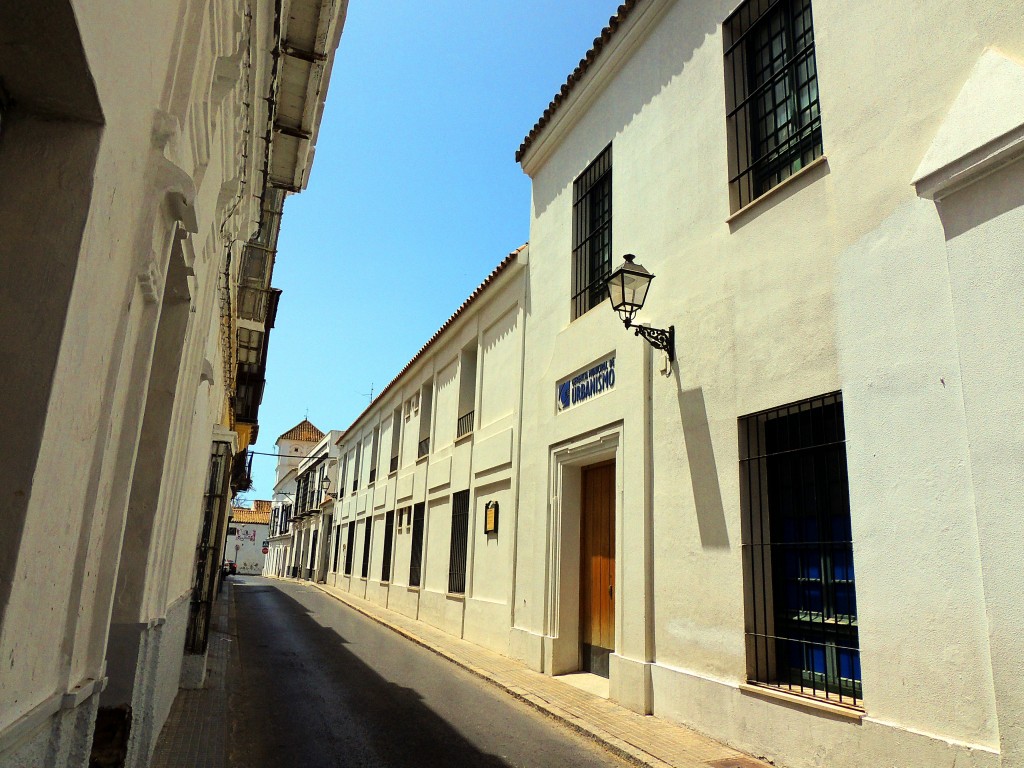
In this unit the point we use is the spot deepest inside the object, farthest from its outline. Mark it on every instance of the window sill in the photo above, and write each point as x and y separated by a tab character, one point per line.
458	596
779	188
392	474
833	708
423	458
412	589
464	438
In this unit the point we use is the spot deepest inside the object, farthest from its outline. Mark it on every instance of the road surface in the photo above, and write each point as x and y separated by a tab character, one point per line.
315	683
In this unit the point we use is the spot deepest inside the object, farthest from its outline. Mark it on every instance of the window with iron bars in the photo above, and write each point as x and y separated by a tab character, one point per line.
459	541
592	234
416	556
771	84
367	532
798	551
389	534
350	545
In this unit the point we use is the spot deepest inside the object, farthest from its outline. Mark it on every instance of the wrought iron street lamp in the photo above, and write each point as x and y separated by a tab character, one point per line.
325	486
627	291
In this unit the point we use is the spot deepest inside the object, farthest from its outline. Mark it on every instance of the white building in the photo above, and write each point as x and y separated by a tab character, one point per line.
801	536
310	522
422	465
292	447
248	532
145	158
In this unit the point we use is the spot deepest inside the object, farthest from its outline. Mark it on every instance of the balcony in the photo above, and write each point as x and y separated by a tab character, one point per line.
254	303
241	472
465	424
248	395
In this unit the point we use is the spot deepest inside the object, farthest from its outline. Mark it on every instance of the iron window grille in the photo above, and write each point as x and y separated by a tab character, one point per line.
373	476
396	439
350	546
389	533
464	425
367	531
801	623
416	556
208	547
337	547
771	83
592	234
424	448
355	468
459	541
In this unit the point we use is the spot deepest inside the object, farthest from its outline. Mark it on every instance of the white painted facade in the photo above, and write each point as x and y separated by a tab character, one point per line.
291	453
888	271
137	151
469	372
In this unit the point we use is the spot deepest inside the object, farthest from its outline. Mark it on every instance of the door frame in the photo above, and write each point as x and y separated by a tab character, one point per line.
562	615
602	664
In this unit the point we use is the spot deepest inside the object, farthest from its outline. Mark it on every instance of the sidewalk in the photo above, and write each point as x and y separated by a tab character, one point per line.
195	733
641	739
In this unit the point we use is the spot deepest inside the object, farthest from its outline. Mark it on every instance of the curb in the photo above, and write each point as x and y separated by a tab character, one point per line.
629	752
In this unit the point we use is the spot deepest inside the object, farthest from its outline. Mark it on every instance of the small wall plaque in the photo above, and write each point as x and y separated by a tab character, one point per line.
491	517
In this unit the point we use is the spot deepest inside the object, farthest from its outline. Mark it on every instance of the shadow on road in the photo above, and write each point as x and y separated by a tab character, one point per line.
299	697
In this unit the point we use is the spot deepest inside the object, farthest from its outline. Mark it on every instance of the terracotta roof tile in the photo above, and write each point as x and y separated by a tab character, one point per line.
258	515
304	431
502	266
621	14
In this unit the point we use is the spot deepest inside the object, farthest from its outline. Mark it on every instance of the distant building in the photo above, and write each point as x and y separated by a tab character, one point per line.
292	447
248	536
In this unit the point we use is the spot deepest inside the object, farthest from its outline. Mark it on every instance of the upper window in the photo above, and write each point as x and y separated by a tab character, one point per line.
771	86
592	234
798	551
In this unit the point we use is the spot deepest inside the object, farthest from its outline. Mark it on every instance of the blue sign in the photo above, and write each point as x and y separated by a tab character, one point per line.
587	384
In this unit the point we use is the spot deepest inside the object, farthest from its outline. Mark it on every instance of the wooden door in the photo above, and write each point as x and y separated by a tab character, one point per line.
597	567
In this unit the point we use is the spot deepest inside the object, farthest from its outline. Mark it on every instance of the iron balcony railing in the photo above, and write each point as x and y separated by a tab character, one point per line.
373	476
394	464
465	425
424	448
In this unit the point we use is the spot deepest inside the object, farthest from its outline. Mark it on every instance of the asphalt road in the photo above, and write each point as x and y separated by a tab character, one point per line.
315	683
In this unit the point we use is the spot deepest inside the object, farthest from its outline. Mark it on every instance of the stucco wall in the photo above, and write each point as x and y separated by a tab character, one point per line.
838	281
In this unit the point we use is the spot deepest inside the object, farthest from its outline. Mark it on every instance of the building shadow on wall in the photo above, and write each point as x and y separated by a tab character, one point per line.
299	696
700	457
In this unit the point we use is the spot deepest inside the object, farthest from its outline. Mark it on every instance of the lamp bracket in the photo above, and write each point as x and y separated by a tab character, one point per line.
659	338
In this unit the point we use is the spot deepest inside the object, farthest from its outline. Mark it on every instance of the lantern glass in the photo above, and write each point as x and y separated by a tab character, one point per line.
627	288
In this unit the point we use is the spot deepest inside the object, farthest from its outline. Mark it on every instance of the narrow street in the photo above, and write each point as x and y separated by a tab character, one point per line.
313	683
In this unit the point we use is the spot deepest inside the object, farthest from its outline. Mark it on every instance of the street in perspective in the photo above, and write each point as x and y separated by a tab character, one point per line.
548	383
317	683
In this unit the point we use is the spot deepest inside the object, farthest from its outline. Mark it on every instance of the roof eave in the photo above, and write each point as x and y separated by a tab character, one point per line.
631	25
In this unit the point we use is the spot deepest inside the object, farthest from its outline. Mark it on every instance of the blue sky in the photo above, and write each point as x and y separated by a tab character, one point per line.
415	194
